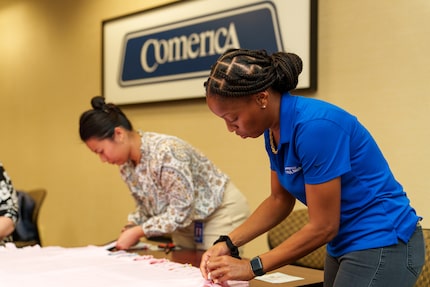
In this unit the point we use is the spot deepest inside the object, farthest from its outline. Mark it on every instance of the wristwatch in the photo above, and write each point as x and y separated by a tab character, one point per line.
234	251
257	266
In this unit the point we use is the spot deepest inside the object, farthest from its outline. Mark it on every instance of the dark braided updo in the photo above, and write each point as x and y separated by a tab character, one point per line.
241	72
101	121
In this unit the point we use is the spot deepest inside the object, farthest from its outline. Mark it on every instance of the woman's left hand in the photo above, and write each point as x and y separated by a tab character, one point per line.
225	267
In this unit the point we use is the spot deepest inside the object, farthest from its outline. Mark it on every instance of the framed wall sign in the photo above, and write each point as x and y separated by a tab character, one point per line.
166	53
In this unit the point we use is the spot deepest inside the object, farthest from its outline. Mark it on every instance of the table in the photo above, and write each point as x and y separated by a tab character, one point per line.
312	277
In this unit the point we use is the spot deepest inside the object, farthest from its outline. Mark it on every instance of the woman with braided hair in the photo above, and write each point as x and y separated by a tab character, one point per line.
178	191
322	156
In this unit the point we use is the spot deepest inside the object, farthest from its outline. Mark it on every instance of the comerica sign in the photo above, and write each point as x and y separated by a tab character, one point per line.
187	49
184	47
165	53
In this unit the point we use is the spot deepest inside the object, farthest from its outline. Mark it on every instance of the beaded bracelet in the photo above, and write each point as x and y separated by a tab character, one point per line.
234	251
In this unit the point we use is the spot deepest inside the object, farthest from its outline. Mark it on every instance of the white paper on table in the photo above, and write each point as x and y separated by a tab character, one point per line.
110	245
139	245
278	277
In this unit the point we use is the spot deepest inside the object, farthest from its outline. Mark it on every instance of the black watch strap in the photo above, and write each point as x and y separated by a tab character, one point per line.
234	251
257	266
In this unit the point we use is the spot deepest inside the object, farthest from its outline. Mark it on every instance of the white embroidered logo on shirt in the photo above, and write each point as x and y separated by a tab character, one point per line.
292	169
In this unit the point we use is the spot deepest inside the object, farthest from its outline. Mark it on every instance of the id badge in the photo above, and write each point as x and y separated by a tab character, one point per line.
198	232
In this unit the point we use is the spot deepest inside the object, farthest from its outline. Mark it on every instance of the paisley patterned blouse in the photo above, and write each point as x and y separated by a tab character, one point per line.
8	200
173	185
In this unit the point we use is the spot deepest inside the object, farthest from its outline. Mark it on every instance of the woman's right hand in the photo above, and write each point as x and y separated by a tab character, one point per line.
129	237
127	226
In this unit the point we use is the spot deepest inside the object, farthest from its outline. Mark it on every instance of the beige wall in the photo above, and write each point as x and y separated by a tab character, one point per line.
373	61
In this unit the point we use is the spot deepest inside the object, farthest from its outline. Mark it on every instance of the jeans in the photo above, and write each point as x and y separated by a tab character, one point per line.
391	266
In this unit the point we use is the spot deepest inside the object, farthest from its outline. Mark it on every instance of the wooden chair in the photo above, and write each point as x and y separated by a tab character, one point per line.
295	221
424	279
315	260
27	229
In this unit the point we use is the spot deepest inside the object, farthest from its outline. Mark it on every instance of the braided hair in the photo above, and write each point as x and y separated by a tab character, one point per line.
101	121
241	72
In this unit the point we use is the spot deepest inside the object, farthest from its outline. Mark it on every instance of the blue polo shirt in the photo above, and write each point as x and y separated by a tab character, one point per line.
319	142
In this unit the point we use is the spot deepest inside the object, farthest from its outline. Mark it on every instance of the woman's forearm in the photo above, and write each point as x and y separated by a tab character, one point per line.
6	226
261	220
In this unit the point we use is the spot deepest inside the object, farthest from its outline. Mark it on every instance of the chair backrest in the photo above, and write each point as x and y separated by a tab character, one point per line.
26	230
424	279
295	221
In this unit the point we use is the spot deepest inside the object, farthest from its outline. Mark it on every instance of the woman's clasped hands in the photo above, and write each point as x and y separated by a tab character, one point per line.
218	266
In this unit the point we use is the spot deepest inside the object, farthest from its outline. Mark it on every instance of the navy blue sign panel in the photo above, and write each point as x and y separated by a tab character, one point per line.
187	49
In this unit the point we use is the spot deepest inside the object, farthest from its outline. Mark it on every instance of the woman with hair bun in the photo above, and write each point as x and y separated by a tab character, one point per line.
324	157
177	190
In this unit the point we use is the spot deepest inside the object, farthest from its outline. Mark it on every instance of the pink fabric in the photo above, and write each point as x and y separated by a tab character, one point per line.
94	266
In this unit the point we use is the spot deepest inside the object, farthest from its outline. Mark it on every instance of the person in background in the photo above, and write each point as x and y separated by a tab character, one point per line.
8	207
324	157
178	191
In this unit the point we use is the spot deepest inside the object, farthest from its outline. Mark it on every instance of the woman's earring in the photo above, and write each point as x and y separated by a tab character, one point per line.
263	107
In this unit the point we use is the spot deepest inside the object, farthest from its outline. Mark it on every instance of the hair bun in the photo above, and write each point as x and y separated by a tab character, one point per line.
98	102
